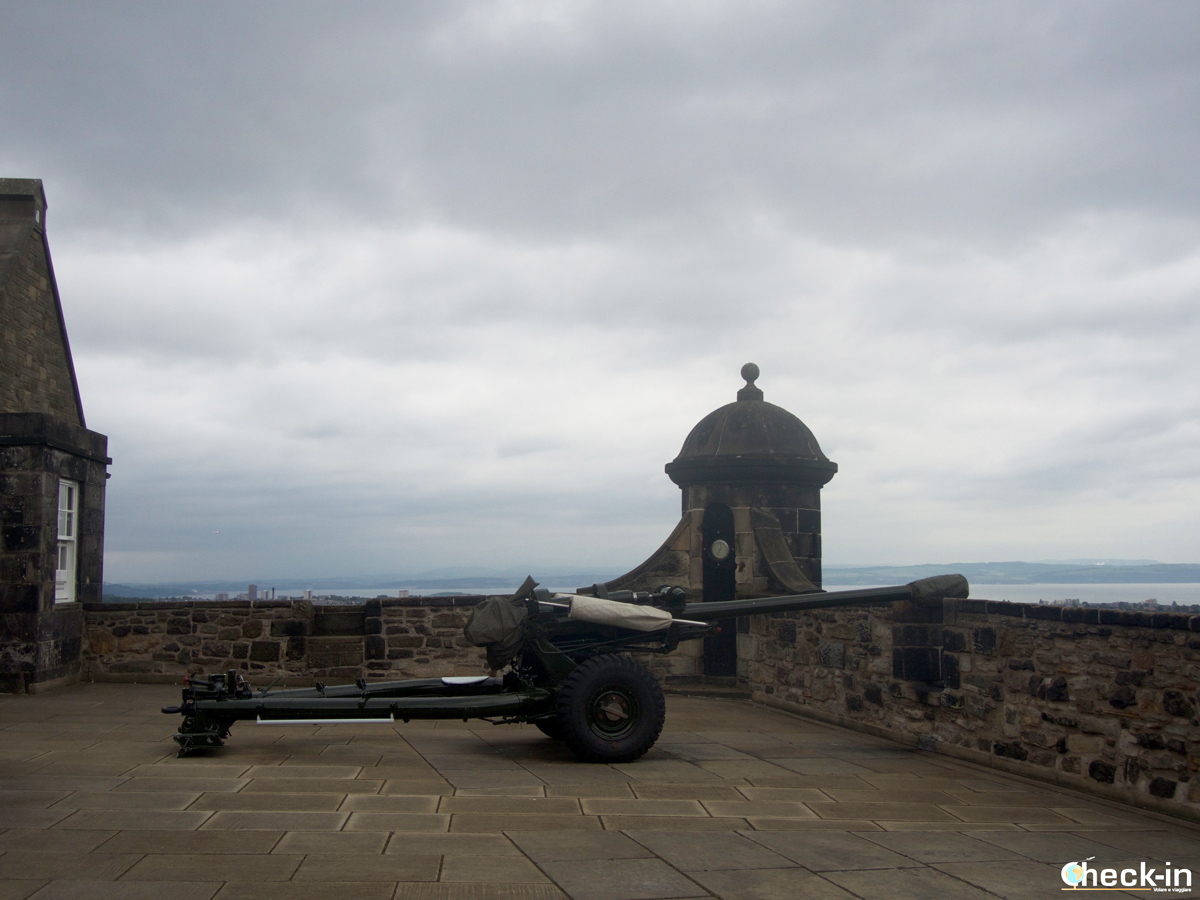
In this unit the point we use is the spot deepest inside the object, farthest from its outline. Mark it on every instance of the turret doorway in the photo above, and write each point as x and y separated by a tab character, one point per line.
719	570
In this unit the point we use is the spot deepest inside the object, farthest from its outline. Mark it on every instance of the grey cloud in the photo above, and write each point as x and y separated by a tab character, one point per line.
874	120
454	280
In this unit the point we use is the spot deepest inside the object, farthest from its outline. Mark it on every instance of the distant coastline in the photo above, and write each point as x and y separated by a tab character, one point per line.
1023	573
475	581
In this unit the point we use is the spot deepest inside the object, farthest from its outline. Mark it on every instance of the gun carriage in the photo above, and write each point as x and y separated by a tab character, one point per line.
566	669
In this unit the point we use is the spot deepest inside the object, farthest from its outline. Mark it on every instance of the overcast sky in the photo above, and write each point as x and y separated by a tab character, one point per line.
383	287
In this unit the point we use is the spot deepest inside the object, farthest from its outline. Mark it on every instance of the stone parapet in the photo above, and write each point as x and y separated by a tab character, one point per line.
1103	700
297	641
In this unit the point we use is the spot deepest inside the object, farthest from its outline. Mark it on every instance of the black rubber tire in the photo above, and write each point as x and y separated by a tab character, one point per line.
611	709
550	727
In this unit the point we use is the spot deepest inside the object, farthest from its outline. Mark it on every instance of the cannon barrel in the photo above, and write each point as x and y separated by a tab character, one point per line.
927	590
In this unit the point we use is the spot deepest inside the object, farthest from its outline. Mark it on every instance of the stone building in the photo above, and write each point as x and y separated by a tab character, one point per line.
751	474
52	468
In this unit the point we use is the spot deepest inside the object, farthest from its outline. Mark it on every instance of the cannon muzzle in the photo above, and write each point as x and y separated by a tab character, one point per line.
925	591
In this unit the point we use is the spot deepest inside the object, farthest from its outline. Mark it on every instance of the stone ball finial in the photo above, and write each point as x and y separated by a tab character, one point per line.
750	392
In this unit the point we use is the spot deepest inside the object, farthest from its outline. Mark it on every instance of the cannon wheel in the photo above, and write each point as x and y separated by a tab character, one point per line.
610	709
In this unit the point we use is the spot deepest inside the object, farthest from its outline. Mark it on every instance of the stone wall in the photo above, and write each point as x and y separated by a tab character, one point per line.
40	638
1101	700
300	642
35	362
377	640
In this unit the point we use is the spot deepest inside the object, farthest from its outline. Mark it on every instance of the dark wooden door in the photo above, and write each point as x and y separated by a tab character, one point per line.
720	566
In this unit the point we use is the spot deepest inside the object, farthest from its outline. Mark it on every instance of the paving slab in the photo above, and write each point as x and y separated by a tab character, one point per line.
690	851
59	783
686	792
550	846
744	769
386	821
760	807
512	806
393	803
329	844
125	890
912	884
466	778
1016	814
820	765
142	784
392	868
31	799
934	798
213	867
491	870
668	771
620	879
1160	844
1092	817
165	800
457	844
672	823
452	891
302	771
291	890
33	864
319	785
525	791
499	823
693	752
1013	881
599	806
19	839
417	788
1053	848
18	889
135	820
962	827
813	824
770	884
926	847
188	767
253	820
224	843
785	794
824	851
317	802
893	812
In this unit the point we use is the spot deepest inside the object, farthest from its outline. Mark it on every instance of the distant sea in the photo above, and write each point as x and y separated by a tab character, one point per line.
1165	594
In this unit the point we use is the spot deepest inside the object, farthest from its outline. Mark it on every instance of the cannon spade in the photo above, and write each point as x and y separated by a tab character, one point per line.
559	661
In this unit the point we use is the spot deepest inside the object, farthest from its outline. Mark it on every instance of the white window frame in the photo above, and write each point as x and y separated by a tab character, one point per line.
67	563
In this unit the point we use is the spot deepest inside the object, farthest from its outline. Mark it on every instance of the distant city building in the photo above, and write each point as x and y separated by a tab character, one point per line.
252	592
403	594
53	469
308	595
222	597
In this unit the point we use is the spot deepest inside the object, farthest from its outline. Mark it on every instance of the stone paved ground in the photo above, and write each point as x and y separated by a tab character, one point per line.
735	802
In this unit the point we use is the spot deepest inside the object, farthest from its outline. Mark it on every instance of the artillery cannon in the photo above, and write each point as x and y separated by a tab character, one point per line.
566	672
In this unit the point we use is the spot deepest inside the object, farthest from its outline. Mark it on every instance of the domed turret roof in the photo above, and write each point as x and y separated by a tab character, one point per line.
750	440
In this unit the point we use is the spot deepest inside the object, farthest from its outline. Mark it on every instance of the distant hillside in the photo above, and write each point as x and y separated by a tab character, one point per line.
556	578
1020	573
